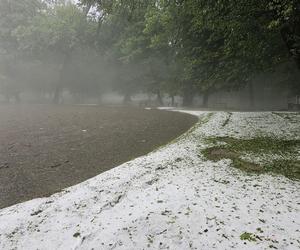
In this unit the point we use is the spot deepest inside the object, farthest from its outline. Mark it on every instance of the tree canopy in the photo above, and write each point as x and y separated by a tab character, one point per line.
156	46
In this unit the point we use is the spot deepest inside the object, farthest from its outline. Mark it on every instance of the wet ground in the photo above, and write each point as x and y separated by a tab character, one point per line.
44	149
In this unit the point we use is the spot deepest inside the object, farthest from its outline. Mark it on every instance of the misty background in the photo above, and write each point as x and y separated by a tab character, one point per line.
216	54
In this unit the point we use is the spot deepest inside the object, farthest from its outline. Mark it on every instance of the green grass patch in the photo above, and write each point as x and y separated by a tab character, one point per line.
247	236
234	149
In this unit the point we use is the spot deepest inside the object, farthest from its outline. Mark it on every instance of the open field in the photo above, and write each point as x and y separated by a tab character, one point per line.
180	196
44	149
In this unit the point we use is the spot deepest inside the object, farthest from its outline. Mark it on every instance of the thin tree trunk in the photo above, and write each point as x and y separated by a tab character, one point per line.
59	85
100	99
172	101
127	98
88	8
57	91
159	98
188	97
99	26
206	95
251	95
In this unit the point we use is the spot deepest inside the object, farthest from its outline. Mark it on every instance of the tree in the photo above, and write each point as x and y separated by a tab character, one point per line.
157	46
12	14
57	34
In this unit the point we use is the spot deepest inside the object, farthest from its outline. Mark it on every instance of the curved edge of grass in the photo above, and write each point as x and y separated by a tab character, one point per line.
200	122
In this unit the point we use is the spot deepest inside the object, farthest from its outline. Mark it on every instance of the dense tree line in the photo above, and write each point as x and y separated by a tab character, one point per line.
173	47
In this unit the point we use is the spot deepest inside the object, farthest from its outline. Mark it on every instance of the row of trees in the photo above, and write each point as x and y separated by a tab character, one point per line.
174	47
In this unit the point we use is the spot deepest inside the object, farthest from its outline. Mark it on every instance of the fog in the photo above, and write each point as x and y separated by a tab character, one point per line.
104	52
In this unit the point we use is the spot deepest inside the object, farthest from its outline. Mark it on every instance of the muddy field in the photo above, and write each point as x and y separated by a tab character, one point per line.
44	149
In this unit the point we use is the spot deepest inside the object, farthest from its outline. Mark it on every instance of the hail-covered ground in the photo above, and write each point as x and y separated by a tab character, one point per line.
173	198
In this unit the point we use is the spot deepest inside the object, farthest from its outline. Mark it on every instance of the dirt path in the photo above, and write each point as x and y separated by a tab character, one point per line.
44	149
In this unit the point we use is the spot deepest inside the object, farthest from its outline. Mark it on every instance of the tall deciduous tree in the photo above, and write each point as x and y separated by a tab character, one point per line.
58	33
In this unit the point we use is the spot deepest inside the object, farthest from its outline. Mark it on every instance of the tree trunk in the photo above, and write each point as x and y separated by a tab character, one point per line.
100	99
159	98
172	101
188	97
88	8
251	95
56	97
206	95
100	20
127	98
59	85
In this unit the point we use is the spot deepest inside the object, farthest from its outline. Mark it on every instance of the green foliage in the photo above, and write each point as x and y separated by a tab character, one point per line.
175	47
45	42
208	45
12	15
247	236
61	28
